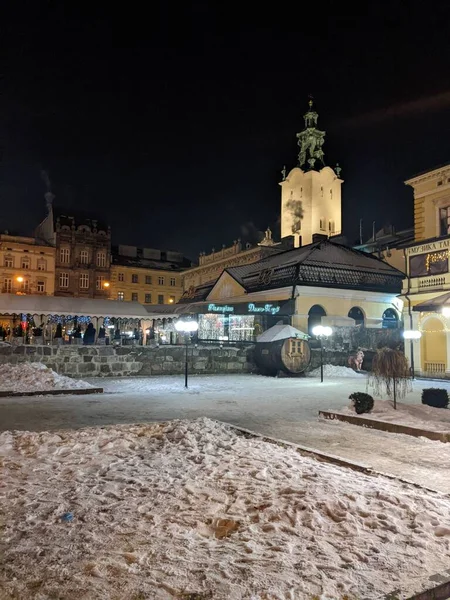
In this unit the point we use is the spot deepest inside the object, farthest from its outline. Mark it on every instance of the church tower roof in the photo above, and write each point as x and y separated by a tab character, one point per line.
310	140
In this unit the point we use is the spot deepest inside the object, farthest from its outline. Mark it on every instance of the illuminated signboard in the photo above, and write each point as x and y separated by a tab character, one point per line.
250	308
217	308
267	309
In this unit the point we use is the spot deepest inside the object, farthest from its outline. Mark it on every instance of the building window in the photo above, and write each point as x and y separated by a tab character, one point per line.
134	278
25	263
7	286
172	299
64	255
331	228
322	225
25	286
41	287
160	280
42	265
84	257
444	221
148	298
134	297
121	277
120	296
390	319
100	280
9	262
101	259
160	299
64	280
148	279
173	281
84	281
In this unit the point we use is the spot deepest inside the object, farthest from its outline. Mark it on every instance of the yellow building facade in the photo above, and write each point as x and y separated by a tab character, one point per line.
146	286
26	266
428	276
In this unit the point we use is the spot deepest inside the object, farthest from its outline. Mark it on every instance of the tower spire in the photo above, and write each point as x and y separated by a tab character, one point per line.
310	139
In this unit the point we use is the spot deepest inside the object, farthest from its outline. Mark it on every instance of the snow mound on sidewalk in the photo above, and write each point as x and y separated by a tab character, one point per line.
36	377
184	508
334	371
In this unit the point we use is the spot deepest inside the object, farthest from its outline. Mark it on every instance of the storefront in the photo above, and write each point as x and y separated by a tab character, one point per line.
241	322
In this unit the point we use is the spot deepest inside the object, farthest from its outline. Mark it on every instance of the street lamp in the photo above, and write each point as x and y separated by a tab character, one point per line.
20	279
321	332
186	326
412	335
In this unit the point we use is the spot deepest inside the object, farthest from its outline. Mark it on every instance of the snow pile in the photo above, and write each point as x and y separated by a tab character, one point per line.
172	510
35	377
410	415
335	371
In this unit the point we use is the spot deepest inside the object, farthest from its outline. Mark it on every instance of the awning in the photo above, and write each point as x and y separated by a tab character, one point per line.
58	305
434	305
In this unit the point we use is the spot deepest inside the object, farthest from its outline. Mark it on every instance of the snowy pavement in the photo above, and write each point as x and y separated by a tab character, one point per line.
282	408
190	509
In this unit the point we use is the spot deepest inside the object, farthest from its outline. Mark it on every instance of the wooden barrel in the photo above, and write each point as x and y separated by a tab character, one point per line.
291	355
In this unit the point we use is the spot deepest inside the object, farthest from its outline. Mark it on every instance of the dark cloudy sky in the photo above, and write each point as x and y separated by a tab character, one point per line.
174	121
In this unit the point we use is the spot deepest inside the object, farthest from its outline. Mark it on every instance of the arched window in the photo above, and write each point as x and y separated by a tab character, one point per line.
315	315
390	319
357	315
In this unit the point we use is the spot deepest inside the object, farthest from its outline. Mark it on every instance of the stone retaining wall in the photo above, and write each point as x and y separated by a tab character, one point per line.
108	361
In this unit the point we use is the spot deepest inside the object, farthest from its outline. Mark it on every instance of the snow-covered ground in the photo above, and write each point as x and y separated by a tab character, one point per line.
411	415
283	408
171	510
36	377
335	371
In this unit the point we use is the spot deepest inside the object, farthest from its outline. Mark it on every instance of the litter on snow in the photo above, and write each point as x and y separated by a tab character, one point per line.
335	371
36	377
192	509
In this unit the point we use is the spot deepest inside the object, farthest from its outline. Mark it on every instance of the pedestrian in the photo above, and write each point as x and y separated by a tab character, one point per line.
89	334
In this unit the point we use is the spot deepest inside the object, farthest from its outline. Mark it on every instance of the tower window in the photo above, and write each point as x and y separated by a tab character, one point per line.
322	225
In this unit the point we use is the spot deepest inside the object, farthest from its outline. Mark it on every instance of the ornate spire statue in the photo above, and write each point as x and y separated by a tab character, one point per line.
310	140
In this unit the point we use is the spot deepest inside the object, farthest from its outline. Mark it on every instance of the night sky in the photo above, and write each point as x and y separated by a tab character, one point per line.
175	122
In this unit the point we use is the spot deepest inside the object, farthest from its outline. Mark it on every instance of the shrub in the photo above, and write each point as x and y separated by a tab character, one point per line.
391	374
435	397
362	402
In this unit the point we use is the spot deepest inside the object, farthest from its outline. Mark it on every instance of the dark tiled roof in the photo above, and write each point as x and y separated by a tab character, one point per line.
323	264
81	217
147	263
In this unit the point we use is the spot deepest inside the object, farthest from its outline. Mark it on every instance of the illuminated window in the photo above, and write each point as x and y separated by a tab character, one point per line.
121	277
160	280
64	255
134	278
120	296
444	221
84	257
64	280
84	281
171	299
9	262
25	286
100	280
148	298
173	281
101	259
7	286
134	297
40	287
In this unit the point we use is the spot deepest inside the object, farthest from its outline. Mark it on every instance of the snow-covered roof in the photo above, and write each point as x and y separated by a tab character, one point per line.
281	332
55	305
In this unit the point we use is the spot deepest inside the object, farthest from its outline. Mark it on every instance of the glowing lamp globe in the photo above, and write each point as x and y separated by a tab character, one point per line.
446	311
322	331
412	334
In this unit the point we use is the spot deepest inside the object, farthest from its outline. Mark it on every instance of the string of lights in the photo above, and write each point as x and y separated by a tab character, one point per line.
435	257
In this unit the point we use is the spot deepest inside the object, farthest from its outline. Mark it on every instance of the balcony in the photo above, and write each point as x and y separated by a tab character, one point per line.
432	283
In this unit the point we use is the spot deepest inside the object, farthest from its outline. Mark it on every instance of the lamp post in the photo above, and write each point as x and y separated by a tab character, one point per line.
186	326
412	335
321	332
